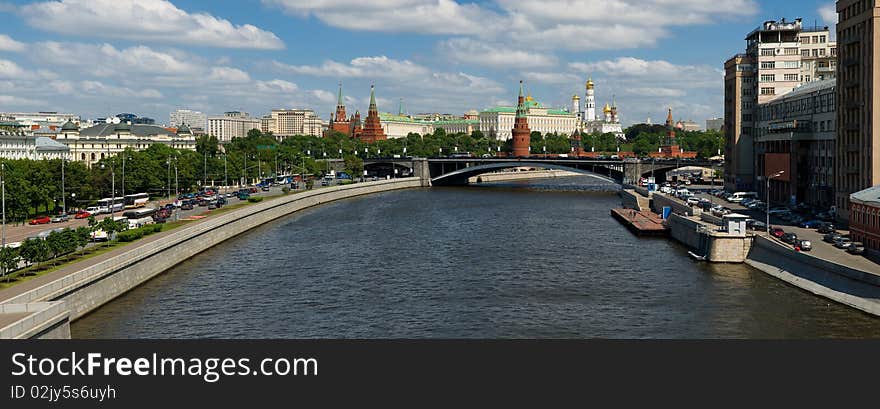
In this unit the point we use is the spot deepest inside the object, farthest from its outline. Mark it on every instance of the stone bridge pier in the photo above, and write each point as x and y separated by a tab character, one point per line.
422	170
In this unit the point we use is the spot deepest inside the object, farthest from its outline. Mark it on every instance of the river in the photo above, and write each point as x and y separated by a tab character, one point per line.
532	259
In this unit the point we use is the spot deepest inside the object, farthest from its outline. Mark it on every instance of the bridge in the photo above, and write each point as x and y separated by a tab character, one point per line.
457	171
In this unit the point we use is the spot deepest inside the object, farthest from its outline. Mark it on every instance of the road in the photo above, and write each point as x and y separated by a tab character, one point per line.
821	249
21	233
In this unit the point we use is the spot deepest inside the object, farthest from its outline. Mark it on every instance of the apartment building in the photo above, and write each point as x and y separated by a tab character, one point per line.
858	150
289	122
232	124
818	55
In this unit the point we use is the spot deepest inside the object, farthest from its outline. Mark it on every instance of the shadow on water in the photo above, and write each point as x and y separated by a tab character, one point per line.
536	259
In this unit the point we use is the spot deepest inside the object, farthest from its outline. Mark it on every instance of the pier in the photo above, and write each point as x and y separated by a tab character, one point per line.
642	223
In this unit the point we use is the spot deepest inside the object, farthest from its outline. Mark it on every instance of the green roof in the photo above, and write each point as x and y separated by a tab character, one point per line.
512	110
458	121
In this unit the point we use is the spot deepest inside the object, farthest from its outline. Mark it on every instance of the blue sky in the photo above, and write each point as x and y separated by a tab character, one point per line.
102	57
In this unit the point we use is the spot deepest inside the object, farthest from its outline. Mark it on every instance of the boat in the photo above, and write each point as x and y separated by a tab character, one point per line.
697	257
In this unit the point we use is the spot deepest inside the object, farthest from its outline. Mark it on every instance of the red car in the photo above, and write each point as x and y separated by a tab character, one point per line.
777	232
82	215
41	220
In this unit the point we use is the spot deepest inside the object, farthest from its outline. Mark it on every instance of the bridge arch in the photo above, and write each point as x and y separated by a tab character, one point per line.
461	176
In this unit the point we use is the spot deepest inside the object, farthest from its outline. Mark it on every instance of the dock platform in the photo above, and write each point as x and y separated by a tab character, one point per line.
642	223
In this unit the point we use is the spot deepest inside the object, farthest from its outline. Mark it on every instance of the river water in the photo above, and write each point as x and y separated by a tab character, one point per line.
536	259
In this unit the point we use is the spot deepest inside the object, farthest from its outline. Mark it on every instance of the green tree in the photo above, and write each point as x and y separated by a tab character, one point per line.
9	259
354	166
34	251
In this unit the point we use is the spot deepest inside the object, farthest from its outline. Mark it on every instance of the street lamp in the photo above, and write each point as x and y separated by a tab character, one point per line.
776	175
113	186
3	187
63	195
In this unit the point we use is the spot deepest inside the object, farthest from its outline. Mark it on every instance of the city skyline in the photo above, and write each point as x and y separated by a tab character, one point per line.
260	56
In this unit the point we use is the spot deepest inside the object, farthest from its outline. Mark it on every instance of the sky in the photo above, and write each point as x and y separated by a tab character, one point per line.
150	57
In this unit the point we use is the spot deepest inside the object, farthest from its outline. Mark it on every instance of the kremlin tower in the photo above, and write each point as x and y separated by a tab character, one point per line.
521	132
671	149
338	122
372	127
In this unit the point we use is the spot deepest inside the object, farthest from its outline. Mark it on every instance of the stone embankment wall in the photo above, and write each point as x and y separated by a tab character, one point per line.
93	286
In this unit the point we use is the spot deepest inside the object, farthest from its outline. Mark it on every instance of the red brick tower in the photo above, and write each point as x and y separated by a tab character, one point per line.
339	122
521	132
372	127
355	123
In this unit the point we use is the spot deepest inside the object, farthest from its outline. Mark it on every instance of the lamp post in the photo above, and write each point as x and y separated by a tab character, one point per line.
3	187
776	175
168	178
113	187
123	173
225	176
63	195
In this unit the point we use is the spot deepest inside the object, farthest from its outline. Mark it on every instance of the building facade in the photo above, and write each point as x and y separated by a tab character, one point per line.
195	120
818	55
232	125
715	124
864	223
858	149
498	122
740	87
796	133
284	123
92	144
18	145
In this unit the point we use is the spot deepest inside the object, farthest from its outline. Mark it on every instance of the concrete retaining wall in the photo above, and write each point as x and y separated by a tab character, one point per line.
44	320
718	247
91	287
842	284
659	201
629	200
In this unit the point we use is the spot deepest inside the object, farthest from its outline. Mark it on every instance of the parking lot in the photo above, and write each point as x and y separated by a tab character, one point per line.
820	249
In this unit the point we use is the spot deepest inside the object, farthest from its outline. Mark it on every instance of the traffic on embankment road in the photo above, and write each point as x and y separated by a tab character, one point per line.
86	285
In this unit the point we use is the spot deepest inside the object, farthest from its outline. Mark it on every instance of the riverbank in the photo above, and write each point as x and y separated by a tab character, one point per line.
80	288
524	175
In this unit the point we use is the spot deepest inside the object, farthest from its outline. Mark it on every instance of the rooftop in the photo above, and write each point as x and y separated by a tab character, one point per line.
868	196
105	130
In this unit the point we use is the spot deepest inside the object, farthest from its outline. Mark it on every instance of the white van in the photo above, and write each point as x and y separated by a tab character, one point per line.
137	223
740	196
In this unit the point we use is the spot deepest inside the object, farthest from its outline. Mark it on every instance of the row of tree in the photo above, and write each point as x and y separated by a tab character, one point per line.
34	187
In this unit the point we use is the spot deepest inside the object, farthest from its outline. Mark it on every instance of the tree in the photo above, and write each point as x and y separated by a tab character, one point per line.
82	235
354	166
55	245
9	259
34	251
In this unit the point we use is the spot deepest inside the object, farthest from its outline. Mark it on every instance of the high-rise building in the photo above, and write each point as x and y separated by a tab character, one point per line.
195	120
521	133
373	131
232	124
857	165
780	56
714	124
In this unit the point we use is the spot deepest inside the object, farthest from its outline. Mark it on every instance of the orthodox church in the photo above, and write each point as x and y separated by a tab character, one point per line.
589	122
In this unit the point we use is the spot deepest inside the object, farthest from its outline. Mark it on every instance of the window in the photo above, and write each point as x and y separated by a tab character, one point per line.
805	40
768	52
822	39
768	91
791	77
790	64
821	52
768	64
805	53
791	51
768	77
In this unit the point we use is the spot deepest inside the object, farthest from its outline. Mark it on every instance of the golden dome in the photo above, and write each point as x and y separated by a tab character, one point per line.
575	97
590	83
607	109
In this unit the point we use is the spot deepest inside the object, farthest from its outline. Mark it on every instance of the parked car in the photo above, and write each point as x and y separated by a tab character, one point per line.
843	243
790	238
831	237
826	228
243	196
61	218
775	211
812	224
805	245
756	224
40	220
82	214
693	201
265	188
856	248
186	206
777	232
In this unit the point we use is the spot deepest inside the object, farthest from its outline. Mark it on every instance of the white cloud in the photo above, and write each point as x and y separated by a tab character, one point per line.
228	74
100	89
482	53
11	100
8	44
554	78
105	59
828	14
276	85
11	70
361	67
145	20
